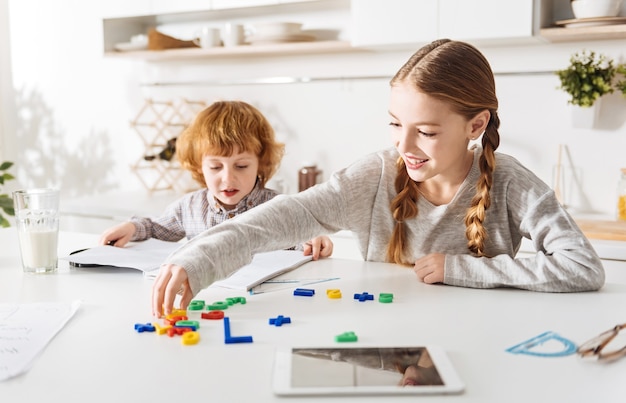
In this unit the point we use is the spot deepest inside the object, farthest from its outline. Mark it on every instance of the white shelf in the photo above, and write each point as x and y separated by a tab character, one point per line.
572	34
179	25
278	49
119	28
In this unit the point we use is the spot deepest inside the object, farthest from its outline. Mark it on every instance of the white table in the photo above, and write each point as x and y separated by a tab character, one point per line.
98	357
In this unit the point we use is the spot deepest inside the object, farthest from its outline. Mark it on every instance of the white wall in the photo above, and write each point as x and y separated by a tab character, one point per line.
6	85
74	106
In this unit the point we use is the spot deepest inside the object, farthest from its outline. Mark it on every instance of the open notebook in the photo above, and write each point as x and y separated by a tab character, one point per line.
145	256
148	255
264	266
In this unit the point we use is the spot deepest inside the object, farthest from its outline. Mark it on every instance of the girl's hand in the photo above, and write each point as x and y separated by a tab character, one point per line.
170	281
321	246
430	268
118	235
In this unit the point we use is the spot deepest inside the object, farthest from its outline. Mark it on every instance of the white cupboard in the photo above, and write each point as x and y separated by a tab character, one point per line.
134	8
179	6
384	23
378	23
124	8
486	19
224	4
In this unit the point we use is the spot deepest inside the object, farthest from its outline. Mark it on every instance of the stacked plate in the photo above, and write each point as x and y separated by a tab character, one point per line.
278	32
137	42
591	22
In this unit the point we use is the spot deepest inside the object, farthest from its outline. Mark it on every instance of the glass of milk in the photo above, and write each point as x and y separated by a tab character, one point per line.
37	218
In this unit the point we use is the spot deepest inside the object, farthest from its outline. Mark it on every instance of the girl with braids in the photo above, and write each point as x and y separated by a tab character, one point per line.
454	214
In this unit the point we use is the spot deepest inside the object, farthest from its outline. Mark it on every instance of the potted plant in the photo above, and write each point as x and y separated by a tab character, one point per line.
6	202
588	77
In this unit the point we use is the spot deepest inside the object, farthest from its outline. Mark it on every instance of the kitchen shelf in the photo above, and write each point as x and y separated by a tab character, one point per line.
278	49
596	33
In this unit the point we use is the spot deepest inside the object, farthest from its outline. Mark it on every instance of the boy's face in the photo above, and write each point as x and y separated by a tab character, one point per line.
232	178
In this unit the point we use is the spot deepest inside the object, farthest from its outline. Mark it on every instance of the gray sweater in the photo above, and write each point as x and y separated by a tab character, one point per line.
357	199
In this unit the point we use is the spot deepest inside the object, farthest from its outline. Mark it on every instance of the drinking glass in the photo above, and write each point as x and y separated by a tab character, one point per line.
37	218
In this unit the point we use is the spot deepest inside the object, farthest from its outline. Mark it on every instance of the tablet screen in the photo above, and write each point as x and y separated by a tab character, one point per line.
336	370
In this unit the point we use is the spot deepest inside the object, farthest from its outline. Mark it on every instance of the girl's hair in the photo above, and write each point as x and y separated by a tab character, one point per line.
222	128
456	73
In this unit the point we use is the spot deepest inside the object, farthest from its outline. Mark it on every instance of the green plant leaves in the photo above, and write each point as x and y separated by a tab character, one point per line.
621	84
6	202
588	77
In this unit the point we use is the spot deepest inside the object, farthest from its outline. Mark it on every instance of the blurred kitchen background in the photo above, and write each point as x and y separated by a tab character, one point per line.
72	105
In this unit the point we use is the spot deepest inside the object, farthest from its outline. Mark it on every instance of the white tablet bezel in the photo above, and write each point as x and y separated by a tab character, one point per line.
282	373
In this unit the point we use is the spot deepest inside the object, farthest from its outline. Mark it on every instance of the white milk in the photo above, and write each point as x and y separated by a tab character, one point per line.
39	249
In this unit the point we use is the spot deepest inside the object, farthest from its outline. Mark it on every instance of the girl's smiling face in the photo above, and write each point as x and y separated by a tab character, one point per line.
231	178
431	138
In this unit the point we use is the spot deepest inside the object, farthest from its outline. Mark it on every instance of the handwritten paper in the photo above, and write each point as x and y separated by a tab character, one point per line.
26	329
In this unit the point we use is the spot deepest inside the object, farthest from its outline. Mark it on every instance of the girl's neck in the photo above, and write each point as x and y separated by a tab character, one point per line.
442	192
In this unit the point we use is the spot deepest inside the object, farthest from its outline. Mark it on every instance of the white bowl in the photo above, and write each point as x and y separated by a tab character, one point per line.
277	28
596	8
139	39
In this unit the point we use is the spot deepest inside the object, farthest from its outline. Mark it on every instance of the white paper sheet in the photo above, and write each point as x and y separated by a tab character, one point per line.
26	329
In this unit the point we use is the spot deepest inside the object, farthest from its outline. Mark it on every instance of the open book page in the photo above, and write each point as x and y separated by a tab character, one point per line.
264	266
146	255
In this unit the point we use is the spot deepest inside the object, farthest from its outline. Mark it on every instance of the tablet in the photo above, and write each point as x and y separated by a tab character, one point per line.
364	371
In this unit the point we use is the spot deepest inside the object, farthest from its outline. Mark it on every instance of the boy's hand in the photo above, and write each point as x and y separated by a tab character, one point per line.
318	247
118	235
